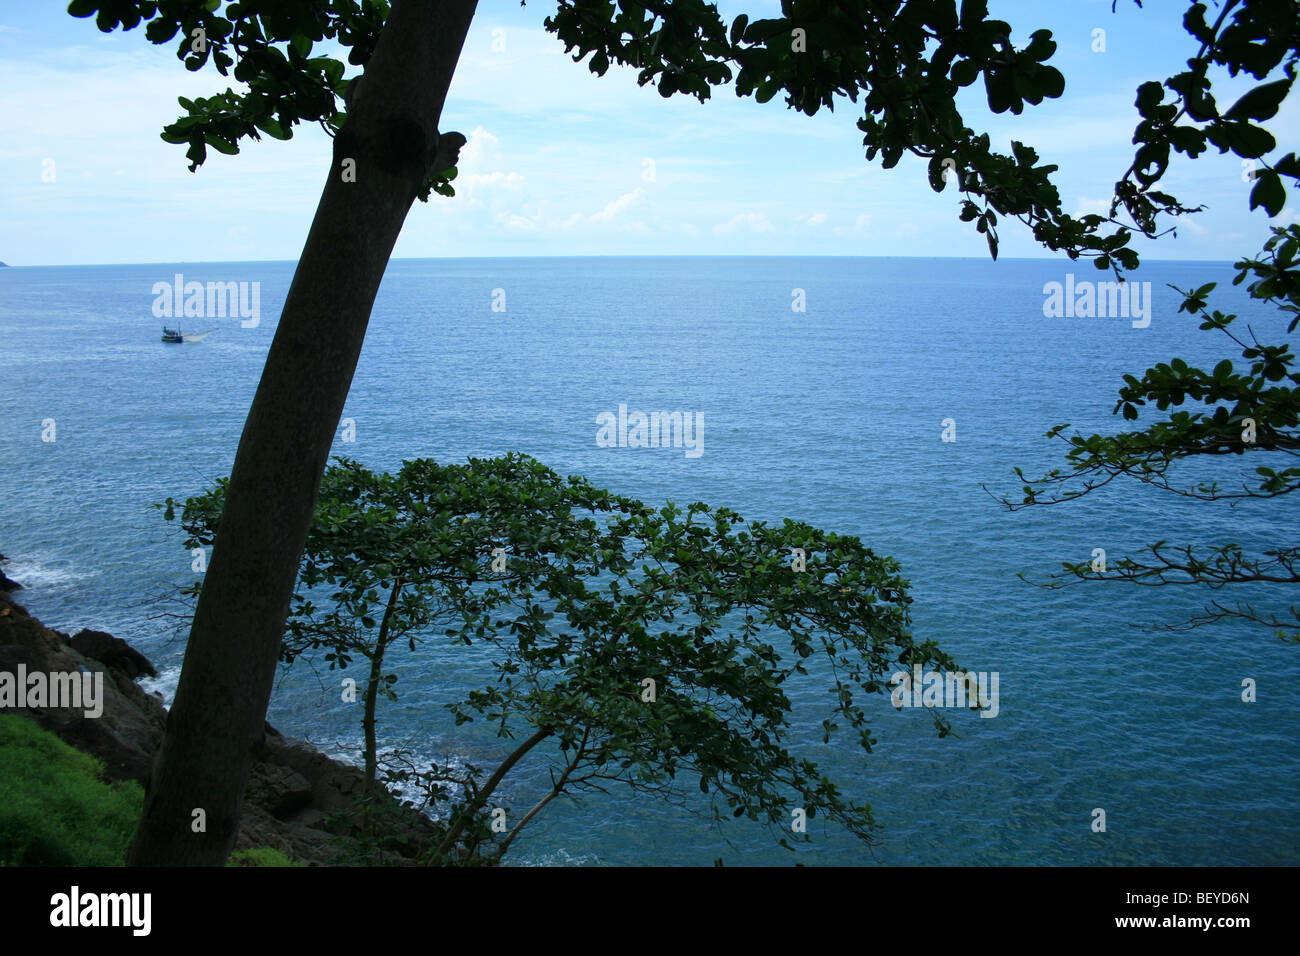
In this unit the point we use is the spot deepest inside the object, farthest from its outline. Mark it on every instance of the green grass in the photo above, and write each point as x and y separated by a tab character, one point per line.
56	809
261	856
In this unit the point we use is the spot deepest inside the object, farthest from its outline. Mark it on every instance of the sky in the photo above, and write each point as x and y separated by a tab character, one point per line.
561	162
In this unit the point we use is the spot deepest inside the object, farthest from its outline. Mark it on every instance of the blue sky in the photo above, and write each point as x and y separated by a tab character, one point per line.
558	159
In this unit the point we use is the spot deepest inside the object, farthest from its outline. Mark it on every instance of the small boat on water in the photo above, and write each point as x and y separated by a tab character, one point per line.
177	336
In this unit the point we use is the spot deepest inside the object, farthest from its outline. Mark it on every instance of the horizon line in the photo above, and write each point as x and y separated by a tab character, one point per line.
205	262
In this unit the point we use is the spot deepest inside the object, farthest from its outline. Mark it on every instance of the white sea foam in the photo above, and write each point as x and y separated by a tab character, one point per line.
165	683
39	571
559	857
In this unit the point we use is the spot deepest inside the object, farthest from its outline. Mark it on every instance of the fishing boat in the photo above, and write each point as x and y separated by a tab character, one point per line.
177	336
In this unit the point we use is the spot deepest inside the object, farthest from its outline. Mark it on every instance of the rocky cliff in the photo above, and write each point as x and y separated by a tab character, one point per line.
298	799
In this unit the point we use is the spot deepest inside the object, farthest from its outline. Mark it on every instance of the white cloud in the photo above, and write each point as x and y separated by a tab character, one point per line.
515	221
512	182
744	222
1092	207
616	207
478	144
480	180
536	218
861	225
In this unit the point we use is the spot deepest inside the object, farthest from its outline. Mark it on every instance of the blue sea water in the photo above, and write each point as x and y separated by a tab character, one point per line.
832	415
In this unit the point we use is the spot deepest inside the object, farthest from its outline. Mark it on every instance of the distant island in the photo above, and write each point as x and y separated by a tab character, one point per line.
4	265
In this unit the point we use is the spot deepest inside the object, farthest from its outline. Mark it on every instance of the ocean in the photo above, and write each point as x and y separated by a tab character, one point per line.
833	414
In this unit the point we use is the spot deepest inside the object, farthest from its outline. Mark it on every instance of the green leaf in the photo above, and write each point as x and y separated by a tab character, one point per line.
1261	103
1149	96
1051	82
196	154
1268	192
1288	165
161	30
760	31
272	128
1250	142
738	28
222	145
965	72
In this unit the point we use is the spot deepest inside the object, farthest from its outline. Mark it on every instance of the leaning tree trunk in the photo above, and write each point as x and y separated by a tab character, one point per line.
217	718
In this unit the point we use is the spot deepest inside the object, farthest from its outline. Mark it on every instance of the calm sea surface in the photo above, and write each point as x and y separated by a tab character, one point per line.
832	415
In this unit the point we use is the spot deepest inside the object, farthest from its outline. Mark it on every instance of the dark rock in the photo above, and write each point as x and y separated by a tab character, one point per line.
279	789
126	733
129	729
298	800
309	817
113	651
7	583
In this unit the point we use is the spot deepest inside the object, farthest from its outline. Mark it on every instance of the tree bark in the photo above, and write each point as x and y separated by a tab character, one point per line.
372	691
217	719
556	790
471	808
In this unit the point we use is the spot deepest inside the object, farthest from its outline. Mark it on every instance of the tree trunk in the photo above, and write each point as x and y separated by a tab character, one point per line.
217	718
372	692
556	790
473	806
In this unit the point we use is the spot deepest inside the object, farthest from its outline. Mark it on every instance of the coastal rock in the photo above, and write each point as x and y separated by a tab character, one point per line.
298	800
6	582
129	729
114	652
280	790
